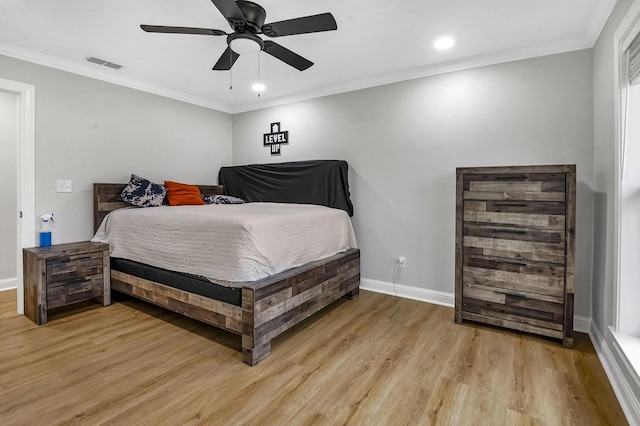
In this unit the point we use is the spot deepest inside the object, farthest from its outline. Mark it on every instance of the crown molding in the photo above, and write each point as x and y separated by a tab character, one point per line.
586	41
105	75
563	46
601	12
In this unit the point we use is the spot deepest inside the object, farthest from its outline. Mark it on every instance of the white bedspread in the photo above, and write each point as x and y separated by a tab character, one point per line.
227	242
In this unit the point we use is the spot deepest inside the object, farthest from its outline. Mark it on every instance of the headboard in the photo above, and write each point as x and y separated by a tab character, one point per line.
322	182
106	198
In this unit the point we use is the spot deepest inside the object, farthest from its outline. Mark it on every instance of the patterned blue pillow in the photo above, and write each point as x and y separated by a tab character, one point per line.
143	193
222	199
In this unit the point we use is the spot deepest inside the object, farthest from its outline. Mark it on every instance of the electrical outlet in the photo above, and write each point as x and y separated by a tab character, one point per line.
63	186
402	261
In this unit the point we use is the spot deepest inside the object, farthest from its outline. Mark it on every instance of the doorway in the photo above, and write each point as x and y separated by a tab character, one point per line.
9	189
26	219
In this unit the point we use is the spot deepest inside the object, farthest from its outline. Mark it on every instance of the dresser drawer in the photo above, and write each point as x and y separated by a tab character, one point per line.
555	208
518	310
72	267
515	186
531	283
515	243
507	290
532	214
514	233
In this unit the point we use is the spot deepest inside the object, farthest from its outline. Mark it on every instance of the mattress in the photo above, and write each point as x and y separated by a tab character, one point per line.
187	282
228	244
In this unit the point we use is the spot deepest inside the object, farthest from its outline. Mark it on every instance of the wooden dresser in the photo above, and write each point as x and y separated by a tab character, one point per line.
63	274
515	245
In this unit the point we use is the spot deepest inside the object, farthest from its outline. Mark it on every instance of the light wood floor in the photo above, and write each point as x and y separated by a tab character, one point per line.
132	363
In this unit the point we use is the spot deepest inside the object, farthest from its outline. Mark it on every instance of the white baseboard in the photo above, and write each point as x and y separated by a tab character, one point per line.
408	292
8	283
614	371
580	324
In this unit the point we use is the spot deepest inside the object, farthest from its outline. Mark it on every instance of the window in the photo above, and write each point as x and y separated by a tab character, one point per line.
627	326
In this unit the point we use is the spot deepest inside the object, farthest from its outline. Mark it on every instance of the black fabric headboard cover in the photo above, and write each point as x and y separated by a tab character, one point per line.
322	182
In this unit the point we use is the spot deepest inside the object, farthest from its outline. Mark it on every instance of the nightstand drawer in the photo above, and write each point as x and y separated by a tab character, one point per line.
70	268
74	291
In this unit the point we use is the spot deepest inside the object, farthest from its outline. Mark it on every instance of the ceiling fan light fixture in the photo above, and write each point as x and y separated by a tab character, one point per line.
245	43
258	87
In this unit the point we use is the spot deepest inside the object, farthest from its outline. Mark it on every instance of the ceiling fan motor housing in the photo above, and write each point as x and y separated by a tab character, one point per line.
253	13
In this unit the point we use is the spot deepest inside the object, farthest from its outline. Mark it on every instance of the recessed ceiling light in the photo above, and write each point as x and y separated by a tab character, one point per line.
443	43
258	87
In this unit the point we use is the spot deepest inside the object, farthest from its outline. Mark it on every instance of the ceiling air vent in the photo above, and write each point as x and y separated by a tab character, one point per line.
104	63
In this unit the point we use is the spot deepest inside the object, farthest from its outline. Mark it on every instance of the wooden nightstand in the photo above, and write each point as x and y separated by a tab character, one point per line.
63	274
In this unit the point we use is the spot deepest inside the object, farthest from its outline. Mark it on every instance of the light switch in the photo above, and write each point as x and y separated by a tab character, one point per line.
64	186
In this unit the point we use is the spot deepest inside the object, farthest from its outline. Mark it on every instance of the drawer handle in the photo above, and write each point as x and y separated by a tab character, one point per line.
512	204
511	177
76	281
514	263
510	231
67	260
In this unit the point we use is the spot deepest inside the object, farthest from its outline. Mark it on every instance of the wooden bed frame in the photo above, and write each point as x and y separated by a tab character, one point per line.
270	306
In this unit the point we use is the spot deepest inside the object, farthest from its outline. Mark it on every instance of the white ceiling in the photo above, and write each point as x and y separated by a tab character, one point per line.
377	42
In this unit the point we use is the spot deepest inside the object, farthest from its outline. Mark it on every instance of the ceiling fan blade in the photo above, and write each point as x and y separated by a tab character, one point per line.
226	61
231	12
307	24
181	30
286	56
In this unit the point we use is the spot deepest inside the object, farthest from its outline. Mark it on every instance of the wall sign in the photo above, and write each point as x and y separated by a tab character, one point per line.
276	138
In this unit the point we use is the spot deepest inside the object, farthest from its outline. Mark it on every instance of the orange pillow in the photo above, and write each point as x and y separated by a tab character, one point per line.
181	194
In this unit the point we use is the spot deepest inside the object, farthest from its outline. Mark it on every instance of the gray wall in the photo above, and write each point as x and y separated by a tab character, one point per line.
403	142
8	189
92	131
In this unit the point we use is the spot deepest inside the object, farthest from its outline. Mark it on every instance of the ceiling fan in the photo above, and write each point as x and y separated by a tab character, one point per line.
246	18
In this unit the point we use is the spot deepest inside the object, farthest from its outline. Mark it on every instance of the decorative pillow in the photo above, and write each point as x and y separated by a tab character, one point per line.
181	194
222	199
143	193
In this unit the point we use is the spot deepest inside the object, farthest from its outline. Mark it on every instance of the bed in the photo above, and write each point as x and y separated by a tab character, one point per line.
257	310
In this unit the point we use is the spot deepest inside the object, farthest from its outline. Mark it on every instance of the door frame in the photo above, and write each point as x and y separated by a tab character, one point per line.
26	220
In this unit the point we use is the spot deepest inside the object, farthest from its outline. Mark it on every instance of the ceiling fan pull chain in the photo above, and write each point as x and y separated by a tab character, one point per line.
230	72
259	80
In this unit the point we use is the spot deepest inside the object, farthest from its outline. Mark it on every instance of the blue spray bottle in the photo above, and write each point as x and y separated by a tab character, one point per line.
45	230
